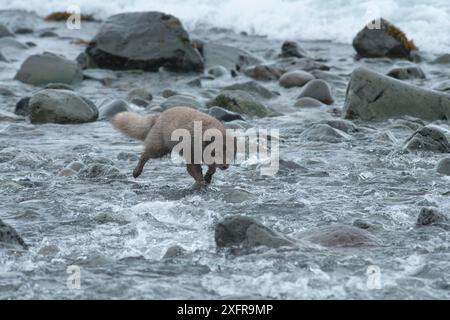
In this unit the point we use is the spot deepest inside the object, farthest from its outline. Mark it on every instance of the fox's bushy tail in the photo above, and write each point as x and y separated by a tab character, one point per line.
134	125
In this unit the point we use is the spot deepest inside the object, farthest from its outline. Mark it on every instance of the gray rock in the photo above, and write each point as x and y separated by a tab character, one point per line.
9	237
292	64
102	75
292	49
133	41
442	59
6	92
254	88
48	34
11	43
169	93
239	231
372	96
431	216
101	171
85	61
224	115
48	68
340	236
59	86
443	86
19	21
174	252
228	57
443	167
140	93
308	103
109	110
5	32
76	166
61	106
67	172
324	133
140	102
195	83
263	73
218	71
387	41
428	138
181	101
296	78
319	90
23	107
406	73
239	102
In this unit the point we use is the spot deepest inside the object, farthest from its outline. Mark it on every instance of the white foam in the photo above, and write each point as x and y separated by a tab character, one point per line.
426	22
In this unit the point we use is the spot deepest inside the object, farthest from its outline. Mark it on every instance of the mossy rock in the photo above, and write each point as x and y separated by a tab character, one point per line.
240	102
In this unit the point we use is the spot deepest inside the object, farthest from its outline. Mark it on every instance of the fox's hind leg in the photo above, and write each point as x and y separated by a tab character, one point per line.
149	153
195	170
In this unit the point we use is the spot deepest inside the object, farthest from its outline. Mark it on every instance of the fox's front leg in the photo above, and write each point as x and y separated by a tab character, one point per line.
209	174
195	170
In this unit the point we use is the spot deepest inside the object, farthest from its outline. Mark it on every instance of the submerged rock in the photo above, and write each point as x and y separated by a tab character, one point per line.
428	138
431	216
228	57
308	103
342	125
240	102
292	64
372	96
145	41
10	237
181	100
443	167
385	41
5	32
254	88
240	231
319	90
296	78
42	69
109	110
141	93
19	21
104	76
263	73
218	71
324	133
406	73
174	252
101	171
224	115
61	106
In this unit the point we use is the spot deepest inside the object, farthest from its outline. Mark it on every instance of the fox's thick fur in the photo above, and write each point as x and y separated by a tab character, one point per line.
156	132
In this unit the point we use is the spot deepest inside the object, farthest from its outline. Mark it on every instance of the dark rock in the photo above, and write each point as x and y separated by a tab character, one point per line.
240	102
319	90
145	41
61	106
292	49
169	93
224	115
443	167
406	73
48	68
85	61
195	83
442	59
10	237
23	107
140	102
59	86
239	231
141	93
387	41
373	96
292	64
48	34
431	216
428	139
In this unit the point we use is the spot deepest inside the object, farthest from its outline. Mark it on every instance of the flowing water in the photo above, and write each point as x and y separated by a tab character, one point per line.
117	229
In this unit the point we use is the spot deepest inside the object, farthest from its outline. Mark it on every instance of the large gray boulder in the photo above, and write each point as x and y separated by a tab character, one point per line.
42	69
9	237
385	41
61	106
145	41
373	96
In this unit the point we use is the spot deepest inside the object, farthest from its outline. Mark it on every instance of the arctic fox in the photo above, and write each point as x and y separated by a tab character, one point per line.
156	131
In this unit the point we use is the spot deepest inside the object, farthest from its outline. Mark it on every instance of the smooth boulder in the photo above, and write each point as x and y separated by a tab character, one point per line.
428	138
42	69
319	90
292	49
307	102
295	78
240	102
385	41
61	106
373	96
145	41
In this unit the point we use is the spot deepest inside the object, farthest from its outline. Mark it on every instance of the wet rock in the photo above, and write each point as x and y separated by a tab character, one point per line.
372	96
226	56
296	78
224	115
174	252
263	73
428	138
292	64
130	41
19	21
5	32
59	86
67	172
431	216
407	73
340	236
101	171
181	101
76	166
195	83
308	103
9	43
386	41
218	71
169	93
61	106
6	92
140	93
292	49
239	231
10	237
48	34
324	133
104	76
49	250
254	88
443	167
109	110
85	61
319	90
239	102
140	102
443	86
23	107
42	69
442	59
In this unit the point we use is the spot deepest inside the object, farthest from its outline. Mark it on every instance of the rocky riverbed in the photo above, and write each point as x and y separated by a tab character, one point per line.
363	156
